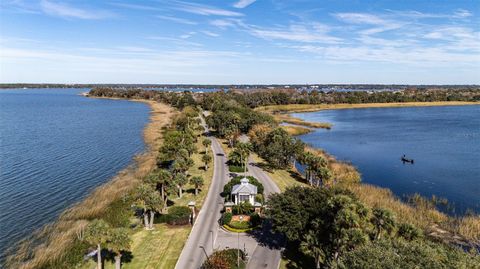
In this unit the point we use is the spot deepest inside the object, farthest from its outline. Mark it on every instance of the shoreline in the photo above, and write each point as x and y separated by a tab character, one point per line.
50	241
283	113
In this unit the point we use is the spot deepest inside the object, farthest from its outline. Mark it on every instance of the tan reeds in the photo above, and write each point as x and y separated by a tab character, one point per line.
462	230
49	243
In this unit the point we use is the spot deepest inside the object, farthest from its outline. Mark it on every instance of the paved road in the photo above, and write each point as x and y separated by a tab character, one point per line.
267	254
206	226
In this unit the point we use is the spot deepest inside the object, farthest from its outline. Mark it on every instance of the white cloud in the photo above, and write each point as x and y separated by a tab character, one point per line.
188	35
66	11
380	24
360	18
313	32
222	23
210	33
176	19
206	10
243	3
457	14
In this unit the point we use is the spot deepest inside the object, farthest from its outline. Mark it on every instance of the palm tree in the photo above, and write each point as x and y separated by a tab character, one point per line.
119	242
244	150
162	178
206	143
312	246
180	181
197	182
149	200
383	220
97	233
206	158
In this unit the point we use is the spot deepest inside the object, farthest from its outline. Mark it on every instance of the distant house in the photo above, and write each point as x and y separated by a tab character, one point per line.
244	192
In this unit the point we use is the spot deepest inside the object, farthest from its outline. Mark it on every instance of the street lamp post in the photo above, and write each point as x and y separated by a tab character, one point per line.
204	251
238	250
212	240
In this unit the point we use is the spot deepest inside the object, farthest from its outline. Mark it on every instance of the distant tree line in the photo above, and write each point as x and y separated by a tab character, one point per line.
238	99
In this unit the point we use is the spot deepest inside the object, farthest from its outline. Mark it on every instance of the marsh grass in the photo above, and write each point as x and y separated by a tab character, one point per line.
287	118
49	245
317	107
464	231
295	130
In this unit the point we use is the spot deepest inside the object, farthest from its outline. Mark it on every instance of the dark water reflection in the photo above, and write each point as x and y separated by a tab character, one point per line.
443	141
56	147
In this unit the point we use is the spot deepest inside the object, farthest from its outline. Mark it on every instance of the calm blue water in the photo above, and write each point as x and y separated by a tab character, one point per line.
56	147
443	141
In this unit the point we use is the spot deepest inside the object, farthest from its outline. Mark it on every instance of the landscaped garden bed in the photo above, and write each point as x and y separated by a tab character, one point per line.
241	223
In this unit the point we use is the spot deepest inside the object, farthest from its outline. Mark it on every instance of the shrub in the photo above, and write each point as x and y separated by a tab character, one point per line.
177	215
226	218
406	254
242	208
118	213
225	259
236	169
255	220
409	231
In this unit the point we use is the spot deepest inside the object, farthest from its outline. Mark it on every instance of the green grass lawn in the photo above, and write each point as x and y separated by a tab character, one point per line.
282	177
159	248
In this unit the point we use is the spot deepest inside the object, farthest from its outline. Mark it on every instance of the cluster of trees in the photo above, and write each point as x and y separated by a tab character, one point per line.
176	99
263	97
100	234
276	146
333	228
230	118
316	171
292	96
239	156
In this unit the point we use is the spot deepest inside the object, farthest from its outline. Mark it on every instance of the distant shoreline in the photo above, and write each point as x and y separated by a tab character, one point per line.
299	108
282	113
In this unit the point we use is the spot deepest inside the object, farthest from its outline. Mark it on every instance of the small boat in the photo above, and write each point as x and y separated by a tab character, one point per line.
406	160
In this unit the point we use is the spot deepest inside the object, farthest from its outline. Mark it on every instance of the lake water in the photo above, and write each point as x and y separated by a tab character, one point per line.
443	141
56	147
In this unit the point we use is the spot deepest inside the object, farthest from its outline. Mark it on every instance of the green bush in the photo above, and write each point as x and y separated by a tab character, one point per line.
236	169
227	256
118	213
242	208
399	253
177	215
409	232
255	220
226	218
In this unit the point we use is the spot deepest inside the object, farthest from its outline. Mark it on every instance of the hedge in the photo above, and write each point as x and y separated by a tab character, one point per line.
177	215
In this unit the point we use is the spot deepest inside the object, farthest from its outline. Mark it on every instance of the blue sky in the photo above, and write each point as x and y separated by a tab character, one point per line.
240	41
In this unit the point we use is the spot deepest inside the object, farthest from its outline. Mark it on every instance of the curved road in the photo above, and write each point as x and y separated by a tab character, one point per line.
206	225
201	240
